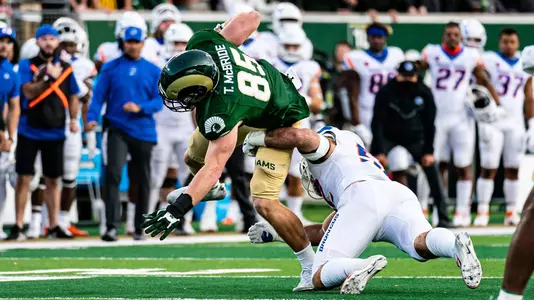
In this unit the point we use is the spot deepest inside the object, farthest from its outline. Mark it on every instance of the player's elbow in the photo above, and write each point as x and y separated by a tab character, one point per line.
253	18
304	139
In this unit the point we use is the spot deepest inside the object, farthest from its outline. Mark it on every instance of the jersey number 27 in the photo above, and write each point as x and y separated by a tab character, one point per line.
251	84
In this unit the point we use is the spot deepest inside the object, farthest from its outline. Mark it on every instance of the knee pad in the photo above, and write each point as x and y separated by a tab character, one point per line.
169	183
399	159
69	183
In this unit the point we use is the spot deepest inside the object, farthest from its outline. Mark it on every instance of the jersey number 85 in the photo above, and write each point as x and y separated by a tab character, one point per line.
251	84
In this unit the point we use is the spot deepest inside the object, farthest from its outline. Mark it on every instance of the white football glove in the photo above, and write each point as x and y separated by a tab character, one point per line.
252	141
364	133
530	135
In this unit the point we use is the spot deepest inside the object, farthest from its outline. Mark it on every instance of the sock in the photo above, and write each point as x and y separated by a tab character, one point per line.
335	271
37	209
463	196
440	242
484	193
504	295
423	191
188	217
306	257
130	217
64	220
511	192
294	203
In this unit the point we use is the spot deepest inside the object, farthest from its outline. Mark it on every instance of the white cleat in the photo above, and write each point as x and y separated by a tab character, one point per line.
481	220
356	282
34	228
461	220
217	192
263	232
511	219
305	283
188	229
467	260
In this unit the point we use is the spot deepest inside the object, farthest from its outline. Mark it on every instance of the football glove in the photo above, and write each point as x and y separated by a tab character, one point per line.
252	141
158	222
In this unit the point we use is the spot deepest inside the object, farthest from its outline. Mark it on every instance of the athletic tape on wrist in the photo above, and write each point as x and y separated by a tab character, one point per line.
181	206
320	152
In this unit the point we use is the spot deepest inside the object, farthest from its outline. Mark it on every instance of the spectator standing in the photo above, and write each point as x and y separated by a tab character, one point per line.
9	93
403	126
129	84
48	90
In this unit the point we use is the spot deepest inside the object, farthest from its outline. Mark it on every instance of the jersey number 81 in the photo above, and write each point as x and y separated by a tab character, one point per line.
251	84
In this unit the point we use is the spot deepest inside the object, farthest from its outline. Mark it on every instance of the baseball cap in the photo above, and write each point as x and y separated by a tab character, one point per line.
7	31
407	68
46	30
133	34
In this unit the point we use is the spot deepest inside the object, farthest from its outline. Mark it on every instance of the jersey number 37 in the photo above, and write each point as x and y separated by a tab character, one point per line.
253	83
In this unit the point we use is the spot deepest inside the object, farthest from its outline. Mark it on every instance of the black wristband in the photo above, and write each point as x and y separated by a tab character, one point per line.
181	206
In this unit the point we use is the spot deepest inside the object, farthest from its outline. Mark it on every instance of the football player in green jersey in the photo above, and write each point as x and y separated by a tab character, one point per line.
233	94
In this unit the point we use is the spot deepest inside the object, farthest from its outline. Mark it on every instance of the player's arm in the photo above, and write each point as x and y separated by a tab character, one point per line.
305	140
352	84
239	28
316	95
483	79
219	151
529	100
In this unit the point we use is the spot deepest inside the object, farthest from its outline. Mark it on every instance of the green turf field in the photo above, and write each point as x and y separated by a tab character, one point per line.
225	270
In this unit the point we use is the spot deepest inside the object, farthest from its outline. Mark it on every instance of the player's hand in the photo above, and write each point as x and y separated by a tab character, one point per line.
252	142
6	145
382	159
131	107
427	160
73	126
90	126
158	222
54	70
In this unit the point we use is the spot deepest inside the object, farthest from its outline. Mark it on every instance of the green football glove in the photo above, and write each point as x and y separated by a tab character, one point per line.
158	222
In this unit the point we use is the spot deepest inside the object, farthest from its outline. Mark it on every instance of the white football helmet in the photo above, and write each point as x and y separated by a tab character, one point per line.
483	105
70	31
473	34
283	14
527	58
308	181
164	12
412	55
29	49
291	36
129	19
176	33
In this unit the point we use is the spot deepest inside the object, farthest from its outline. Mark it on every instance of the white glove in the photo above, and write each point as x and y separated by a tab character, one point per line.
252	141
530	135
364	133
90	138
263	232
292	74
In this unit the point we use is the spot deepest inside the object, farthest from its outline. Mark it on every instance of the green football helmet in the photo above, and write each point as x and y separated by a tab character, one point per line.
186	79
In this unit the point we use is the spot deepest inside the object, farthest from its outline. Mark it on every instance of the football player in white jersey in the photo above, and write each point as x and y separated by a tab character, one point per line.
167	165
110	50
163	16
506	136
291	55
72	39
451	66
375	66
337	168
284	13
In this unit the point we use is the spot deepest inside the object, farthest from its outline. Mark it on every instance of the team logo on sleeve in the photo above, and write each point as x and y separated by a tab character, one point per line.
214	124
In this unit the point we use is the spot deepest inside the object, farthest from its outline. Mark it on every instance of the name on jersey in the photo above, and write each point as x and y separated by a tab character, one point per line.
226	63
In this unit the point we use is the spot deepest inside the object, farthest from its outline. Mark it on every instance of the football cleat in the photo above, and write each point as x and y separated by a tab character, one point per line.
217	192
16	234
263	232
305	283
511	219
34	229
482	219
461	220
356	282
3	235
467	260
77	232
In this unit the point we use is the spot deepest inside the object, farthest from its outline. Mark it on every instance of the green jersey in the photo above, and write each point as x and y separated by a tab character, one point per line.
250	91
